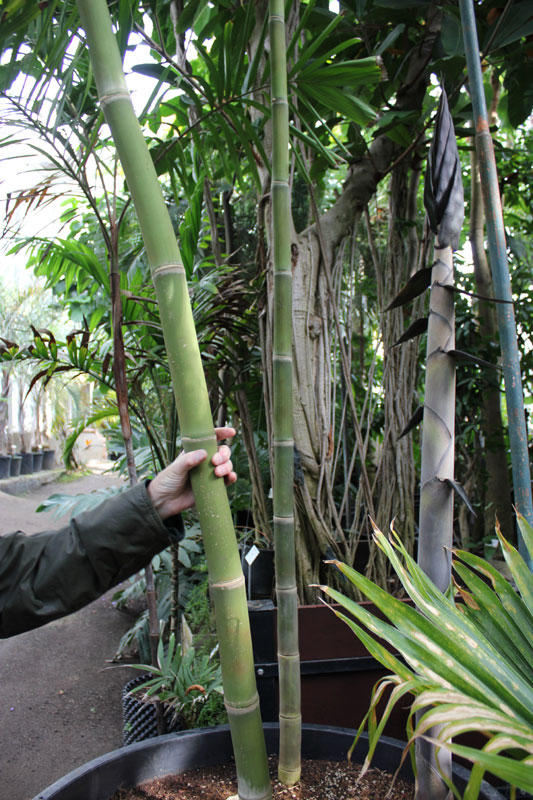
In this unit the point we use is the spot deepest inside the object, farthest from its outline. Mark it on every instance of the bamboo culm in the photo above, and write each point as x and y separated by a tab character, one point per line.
444	201
436	496
500	275
283	500
192	402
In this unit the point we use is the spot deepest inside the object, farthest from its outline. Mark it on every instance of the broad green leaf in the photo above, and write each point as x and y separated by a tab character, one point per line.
357	72
453	646
496	623
342	103
513	603
527	532
308	51
518	568
517	773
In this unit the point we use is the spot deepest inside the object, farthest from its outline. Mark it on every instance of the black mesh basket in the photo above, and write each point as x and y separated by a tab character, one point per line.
139	718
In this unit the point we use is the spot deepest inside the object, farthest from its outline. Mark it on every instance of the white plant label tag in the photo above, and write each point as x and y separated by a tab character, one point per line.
252	554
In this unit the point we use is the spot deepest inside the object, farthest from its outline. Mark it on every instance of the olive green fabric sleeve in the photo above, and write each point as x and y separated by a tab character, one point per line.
51	574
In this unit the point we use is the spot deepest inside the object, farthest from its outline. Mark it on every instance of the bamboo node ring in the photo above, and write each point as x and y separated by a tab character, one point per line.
233	584
196	440
244	709
168	268
123	94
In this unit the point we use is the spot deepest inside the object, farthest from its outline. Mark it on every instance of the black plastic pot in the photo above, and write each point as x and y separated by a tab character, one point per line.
37	461
139	719
5	466
178	752
16	462
259	575
26	464
337	672
49	459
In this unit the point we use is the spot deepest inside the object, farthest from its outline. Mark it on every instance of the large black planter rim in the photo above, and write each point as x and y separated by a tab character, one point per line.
178	752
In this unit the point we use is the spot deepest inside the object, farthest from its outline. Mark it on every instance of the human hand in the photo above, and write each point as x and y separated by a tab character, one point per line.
170	491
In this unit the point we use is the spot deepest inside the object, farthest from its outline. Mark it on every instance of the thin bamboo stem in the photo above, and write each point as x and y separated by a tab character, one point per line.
121	389
288	652
192	402
500	275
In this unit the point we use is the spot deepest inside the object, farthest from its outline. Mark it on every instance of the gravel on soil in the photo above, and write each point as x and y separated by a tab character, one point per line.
321	780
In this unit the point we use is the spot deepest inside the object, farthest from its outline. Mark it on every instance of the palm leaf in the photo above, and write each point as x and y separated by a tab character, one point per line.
468	666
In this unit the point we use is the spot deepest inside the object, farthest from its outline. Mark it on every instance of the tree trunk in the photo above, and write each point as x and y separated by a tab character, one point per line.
396	478
121	389
4	405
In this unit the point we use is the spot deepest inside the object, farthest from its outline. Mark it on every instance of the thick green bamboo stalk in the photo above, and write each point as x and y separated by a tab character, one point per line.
500	275
194	413
290	719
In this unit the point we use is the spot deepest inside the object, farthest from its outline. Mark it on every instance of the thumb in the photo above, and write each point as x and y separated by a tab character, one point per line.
190	460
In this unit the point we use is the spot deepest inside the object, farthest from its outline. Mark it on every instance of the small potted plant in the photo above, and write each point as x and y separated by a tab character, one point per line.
49	457
16	460
5	457
37	458
187	682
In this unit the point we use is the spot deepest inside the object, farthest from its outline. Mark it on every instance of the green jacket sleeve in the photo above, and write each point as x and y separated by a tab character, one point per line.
51	574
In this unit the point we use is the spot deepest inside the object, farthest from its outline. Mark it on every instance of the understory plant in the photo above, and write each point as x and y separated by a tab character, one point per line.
467	658
187	683
192	569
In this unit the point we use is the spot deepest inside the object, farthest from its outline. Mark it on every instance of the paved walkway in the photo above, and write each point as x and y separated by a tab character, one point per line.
60	701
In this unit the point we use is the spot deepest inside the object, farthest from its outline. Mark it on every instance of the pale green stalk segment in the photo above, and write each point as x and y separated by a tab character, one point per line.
284	575
183	355
225	573
235	643
283	467
287	607
283	440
